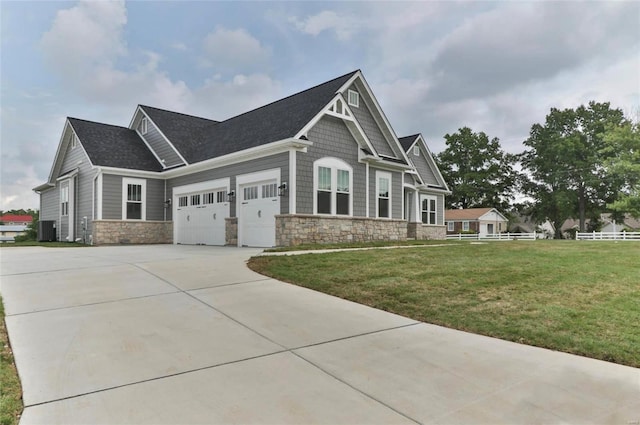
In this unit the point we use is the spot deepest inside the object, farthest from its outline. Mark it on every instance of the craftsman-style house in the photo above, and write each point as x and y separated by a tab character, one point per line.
323	165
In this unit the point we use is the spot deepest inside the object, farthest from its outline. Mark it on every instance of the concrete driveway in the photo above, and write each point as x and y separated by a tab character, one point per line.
178	334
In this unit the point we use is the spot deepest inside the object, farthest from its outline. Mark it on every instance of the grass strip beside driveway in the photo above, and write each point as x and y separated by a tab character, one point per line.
10	390
574	296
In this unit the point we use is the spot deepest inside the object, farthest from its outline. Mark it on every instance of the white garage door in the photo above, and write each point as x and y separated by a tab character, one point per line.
200	217
259	204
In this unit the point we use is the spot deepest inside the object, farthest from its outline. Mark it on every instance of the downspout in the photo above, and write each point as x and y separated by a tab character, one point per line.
165	199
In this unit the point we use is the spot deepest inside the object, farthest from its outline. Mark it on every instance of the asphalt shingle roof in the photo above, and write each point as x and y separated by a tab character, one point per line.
466	214
407	141
199	139
114	146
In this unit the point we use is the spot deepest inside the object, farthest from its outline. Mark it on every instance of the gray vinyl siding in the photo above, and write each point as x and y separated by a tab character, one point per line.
155	200
370	127
112	198
49	207
83	193
330	138
280	161
424	169
159	144
397	193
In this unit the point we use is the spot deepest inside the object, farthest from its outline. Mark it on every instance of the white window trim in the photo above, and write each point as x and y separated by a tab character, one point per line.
416	150
429	198
451	226
355	104
64	188
73	140
465	226
143	183
387	175
334	164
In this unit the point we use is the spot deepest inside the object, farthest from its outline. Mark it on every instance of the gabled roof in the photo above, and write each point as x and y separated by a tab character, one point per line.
468	213
408	141
198	139
114	146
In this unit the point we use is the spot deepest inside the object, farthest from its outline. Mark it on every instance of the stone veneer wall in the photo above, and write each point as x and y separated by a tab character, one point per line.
131	232
426	231
231	231
302	229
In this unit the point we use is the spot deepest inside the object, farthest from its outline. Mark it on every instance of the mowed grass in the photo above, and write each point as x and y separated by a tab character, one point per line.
574	296
10	390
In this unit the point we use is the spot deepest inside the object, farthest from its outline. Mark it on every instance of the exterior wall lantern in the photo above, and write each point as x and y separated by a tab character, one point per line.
282	189
231	196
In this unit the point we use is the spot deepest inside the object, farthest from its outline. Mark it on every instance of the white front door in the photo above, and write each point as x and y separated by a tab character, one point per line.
259	204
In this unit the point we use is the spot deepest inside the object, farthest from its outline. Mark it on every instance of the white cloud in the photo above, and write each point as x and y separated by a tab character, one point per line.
233	49
344	25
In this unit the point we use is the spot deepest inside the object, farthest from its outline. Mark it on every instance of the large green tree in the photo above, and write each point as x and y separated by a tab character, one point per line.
477	170
622	163
565	160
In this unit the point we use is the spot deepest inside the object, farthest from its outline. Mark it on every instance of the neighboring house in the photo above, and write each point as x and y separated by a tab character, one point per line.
485	221
8	233
322	165
570	225
525	224
17	220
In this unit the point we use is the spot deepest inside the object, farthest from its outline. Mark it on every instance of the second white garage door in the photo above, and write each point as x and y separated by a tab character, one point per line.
258	205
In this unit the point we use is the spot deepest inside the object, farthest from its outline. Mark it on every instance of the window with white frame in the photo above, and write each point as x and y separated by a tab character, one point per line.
73	140
134	199
451	226
183	201
270	190
383	190
416	150
143	126
333	180
221	196
64	200
428	207
208	198
465	226
353	98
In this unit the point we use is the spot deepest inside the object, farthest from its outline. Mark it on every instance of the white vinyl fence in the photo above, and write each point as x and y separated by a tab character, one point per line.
608	236
494	237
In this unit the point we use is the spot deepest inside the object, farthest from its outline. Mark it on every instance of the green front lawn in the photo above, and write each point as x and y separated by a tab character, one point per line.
10	390
575	296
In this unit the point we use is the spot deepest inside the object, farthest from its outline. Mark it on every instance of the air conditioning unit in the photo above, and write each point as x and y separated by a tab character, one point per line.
46	231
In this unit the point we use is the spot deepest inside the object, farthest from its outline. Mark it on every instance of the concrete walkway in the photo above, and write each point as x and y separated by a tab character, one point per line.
176	334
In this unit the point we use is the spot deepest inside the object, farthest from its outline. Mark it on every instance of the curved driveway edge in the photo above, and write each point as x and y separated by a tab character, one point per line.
188	334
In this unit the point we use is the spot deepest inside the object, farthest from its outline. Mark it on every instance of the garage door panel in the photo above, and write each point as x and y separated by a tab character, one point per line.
259	205
200	217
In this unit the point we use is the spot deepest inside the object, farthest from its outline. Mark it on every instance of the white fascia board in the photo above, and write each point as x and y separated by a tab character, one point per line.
493	210
166	139
59	151
425	188
229	159
432	162
358	76
67	176
245	155
43	187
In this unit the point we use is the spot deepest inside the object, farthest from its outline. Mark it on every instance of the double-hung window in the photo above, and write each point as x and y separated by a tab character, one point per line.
332	183
383	190
428	205
451	226
465	226
64	199
134	199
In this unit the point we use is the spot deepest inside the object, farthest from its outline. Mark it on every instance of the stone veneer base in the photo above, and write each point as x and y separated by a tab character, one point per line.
297	229
109	232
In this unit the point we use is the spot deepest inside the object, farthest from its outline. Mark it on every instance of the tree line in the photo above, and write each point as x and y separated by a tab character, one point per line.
578	164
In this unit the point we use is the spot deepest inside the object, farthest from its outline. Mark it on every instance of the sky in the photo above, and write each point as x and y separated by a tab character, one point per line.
496	67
